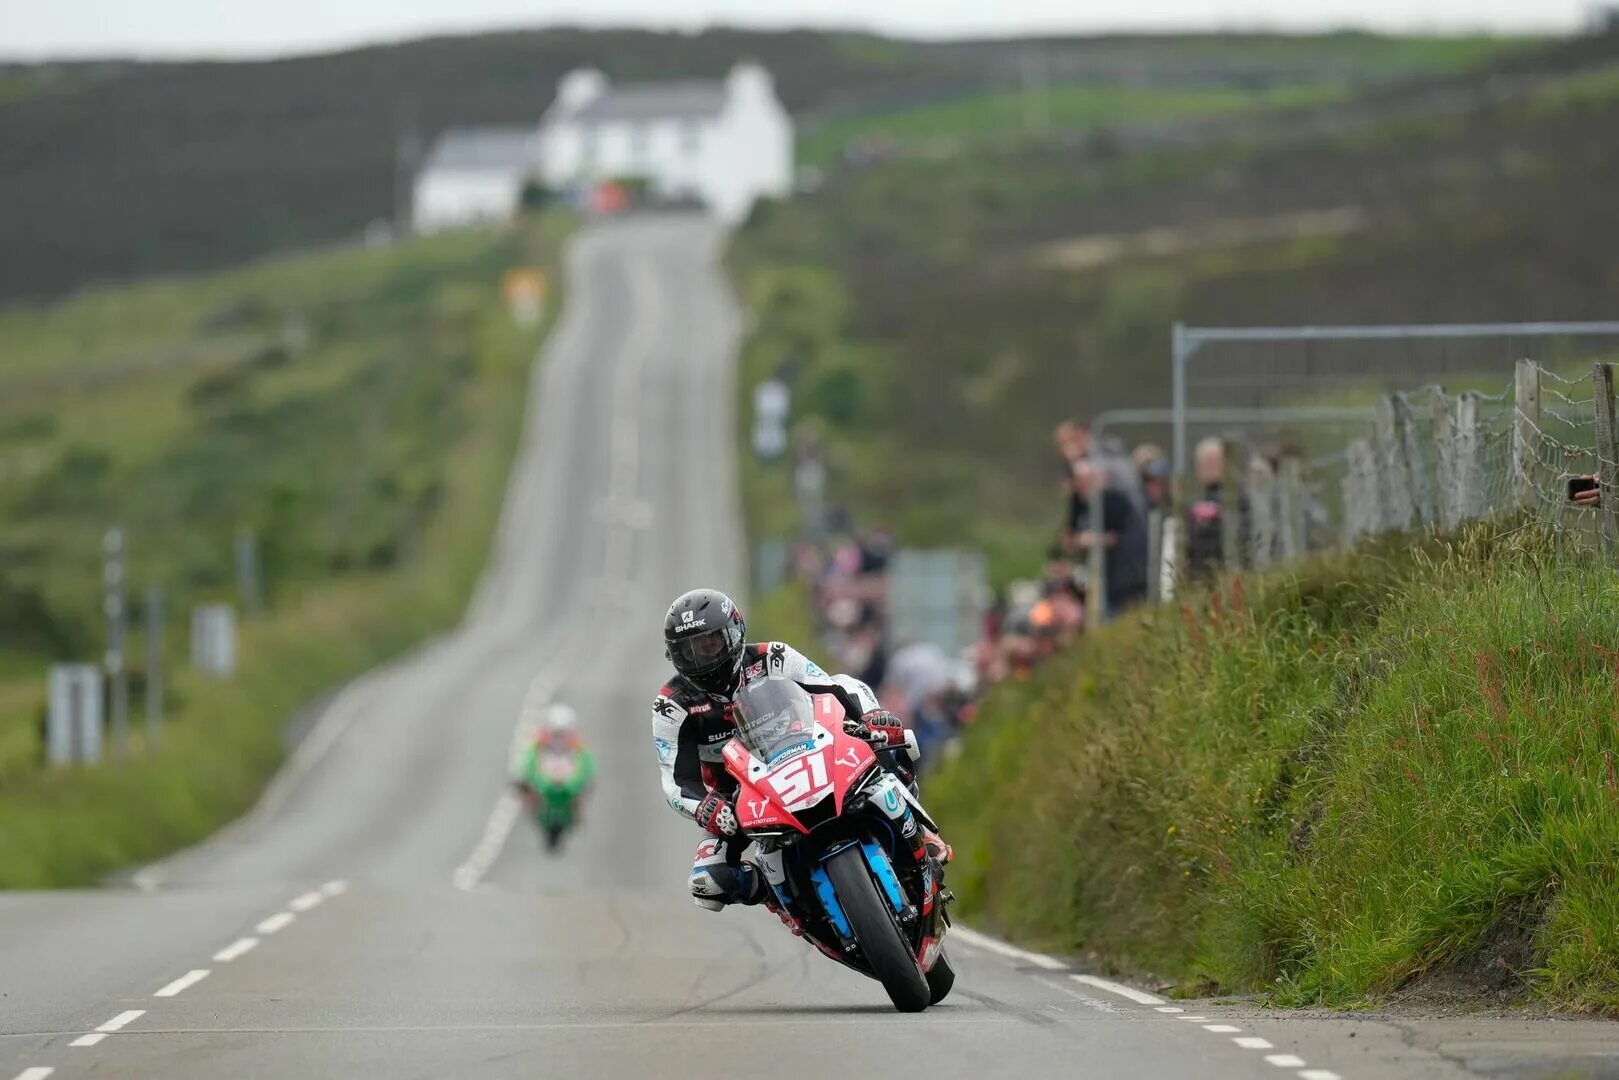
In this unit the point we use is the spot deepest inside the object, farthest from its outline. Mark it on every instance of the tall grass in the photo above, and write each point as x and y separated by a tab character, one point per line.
1326	783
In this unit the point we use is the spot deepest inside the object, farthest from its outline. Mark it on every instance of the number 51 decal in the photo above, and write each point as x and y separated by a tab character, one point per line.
799	778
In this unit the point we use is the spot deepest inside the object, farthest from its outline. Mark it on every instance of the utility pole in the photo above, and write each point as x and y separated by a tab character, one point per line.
117	625
154	664
247	570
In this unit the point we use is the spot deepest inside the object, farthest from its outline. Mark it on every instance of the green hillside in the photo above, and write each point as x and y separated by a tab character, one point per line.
354	409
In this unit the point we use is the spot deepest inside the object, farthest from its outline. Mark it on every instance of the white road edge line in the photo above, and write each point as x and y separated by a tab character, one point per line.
190	978
126	1017
307	900
495	832
275	922
335	888
1285	1061
88	1040
1130	993
235	949
1169	1009
1253	1042
973	939
38	1072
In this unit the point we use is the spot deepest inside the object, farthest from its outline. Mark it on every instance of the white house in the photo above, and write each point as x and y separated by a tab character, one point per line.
474	176
724	143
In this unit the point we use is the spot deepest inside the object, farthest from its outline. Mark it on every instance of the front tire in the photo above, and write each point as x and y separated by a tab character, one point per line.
878	932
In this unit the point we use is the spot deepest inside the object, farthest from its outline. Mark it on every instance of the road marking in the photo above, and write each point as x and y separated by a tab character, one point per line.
190	978
335	888
1285	1061
235	949
1193	1019
307	900
1130	993
275	922
88	1040
1253	1042
1221	1029
1168	1009
38	1072
118	1022
1318	1074
973	939
495	831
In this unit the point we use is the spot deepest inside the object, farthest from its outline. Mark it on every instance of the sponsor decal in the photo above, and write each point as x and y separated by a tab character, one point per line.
685	616
812	668
666	751
725	607
891	799
699	708
778	655
850	759
664	706
756	671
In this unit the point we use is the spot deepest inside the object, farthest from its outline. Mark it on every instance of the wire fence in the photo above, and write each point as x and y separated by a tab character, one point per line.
1538	452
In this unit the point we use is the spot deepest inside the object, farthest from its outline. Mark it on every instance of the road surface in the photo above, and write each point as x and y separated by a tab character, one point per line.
382	914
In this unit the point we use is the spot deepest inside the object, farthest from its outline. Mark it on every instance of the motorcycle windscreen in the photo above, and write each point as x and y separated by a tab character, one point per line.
775	719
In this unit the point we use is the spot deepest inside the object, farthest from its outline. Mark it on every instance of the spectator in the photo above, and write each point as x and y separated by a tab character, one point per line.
1205	517
1098	514
1075	444
1152	466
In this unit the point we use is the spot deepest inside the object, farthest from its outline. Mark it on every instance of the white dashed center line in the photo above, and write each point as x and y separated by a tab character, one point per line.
119	1022
1285	1061
235	949
335	888
88	1040
276	922
1168	1009
190	978
38	1072
307	900
1318	1074
1221	1029
1253	1042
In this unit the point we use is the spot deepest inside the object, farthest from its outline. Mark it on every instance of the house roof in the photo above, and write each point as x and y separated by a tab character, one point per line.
497	149
656	101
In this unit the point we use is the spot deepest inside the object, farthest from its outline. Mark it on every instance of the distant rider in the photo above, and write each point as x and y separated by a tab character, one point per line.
705	638
556	734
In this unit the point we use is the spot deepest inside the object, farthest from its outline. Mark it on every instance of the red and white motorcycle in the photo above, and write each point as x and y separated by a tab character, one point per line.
852	868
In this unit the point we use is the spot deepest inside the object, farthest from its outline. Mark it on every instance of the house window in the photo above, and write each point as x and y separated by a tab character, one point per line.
691	138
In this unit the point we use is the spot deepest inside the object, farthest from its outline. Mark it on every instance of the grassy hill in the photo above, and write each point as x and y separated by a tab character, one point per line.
1391	772
113	171
936	316
355	409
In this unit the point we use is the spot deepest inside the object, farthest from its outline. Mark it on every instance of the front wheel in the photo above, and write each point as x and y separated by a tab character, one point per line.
877	931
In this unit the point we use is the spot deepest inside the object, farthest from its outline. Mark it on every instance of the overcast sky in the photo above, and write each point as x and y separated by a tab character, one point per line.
33	28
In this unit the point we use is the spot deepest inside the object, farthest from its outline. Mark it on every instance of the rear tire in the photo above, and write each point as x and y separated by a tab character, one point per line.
875	928
941	978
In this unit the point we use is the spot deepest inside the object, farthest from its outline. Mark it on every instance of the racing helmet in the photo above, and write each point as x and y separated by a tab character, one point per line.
703	636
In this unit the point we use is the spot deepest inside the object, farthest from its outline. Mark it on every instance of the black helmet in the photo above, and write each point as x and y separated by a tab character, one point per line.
703	636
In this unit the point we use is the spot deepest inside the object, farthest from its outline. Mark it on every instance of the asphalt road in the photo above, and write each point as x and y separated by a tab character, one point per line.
384	912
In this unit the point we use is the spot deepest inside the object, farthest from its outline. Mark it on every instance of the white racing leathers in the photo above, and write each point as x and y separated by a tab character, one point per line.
690	728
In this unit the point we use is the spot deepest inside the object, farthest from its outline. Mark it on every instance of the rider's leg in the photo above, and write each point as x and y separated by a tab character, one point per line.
720	876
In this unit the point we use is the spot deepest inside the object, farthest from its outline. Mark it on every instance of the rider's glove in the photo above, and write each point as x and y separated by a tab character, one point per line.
715	814
878	727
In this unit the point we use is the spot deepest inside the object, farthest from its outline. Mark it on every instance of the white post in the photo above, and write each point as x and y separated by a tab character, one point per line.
1469	489
1291	509
1262	509
1526	434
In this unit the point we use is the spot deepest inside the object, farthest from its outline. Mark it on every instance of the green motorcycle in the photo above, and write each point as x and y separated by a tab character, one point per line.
554	783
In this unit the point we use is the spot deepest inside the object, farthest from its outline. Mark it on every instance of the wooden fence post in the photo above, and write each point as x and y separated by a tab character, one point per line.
1291	509
1261	512
1446	512
1363	499
1607	452
1526	436
1231	506
1393	466
1465	448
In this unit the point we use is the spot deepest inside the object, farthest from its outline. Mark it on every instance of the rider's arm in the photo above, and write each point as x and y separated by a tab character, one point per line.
860	705
678	764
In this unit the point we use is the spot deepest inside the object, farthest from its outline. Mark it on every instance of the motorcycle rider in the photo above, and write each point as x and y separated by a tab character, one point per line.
556	733
705	639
